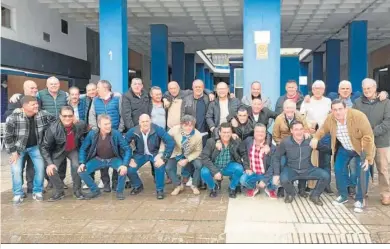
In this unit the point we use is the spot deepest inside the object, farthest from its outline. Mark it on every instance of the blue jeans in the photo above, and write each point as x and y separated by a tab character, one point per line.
171	169
283	163
39	169
343	158
98	163
232	169
140	160
249	181
352	179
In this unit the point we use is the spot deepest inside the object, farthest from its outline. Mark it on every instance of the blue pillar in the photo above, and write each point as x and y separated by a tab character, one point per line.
189	75
231	78
159	55
332	65
178	63
318	66
207	78
200	72
211	81
357	54
113	44
289	70
262	15
303	72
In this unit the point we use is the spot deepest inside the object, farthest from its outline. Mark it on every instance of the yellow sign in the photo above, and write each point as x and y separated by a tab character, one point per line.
261	51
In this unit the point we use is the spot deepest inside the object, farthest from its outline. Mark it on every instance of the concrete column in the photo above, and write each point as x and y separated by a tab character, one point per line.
189	75
357	54
113	44
178	63
261	15
207	78
159	55
303	72
200	72
332	65
231	78
289	70
211	81
318	66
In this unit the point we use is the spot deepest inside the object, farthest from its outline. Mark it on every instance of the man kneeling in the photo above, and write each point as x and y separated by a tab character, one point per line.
299	167
102	149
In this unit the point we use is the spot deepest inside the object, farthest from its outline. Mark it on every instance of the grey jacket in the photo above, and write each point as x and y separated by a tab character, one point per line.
214	112
378	113
280	102
247	100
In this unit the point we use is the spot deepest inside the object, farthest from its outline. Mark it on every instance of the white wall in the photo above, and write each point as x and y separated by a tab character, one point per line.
31	19
94	78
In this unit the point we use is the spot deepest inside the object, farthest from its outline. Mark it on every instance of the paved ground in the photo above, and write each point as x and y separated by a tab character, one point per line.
188	219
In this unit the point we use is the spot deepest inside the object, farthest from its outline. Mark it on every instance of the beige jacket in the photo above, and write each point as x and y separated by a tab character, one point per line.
195	144
281	129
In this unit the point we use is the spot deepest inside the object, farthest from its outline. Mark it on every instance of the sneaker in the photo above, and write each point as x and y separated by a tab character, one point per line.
252	192
18	199
358	207
120	196
92	195
176	191
189	183
302	193
38	196
57	196
340	200
160	195
232	193
101	184
85	186
271	193
213	193
195	190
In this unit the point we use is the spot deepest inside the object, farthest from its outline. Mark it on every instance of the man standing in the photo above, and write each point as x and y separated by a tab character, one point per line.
52	98
378	114
62	140
298	153
104	148
352	129
292	94
158	113
147	138
78	105
224	162
24	132
256	94
91	92
188	146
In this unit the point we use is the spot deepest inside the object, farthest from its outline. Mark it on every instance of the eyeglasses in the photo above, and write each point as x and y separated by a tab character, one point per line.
67	116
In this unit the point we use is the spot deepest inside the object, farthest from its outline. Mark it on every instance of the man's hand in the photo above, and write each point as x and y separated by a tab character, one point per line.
212	129
13	158
276	180
307	99
266	149
133	164
158	162
261	184
234	136
182	162
232	95
234	122
314	143
218	176
382	95
50	169
15	98
218	145
365	165
166	103
248	172
81	168
122	170
211	97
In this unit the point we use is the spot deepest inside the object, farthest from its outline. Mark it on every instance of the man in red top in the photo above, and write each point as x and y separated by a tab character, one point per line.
257	153
62	140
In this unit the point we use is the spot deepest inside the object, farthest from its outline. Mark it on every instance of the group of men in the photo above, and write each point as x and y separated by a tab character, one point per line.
208	135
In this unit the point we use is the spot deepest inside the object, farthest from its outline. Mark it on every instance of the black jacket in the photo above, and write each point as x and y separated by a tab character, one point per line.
214	112
264	116
210	153
189	105
298	155
53	145
133	106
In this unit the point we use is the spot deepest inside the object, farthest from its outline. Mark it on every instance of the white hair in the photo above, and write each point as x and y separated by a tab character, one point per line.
289	102
318	84
345	82
369	81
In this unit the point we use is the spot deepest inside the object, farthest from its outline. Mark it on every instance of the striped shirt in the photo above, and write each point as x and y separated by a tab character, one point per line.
343	136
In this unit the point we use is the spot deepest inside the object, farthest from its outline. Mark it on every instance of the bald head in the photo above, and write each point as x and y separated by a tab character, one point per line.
30	88
222	90
173	88
145	123
53	84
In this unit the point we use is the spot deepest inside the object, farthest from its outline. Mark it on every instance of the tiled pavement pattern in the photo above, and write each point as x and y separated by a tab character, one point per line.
188	219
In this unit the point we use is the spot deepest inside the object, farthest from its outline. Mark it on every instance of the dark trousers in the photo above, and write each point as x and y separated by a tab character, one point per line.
56	179
324	163
29	166
106	177
61	171
289	175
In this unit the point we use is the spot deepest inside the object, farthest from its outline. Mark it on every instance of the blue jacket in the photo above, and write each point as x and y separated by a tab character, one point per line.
119	146
81	107
154	138
112	108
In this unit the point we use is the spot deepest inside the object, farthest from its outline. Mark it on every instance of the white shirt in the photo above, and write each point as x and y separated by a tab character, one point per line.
224	111
316	110
76	111
256	117
343	136
146	149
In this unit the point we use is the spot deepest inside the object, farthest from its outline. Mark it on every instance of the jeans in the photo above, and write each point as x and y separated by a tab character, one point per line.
39	168
58	183
283	162
352	178
29	166
232	169
249	181
343	158
171	169
140	160
289	175
98	163
324	163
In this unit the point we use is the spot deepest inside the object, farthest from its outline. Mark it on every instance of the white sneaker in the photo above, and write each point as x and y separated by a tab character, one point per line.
340	201
38	196
189	183
101	184
358	207
85	186
17	199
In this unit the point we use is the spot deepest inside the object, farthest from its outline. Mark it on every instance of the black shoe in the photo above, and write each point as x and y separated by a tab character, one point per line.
57	196
114	185
280	192
92	195
238	189
232	193
351	191
329	191
307	189
288	199
159	195
65	186
24	196
79	195
120	196
107	188
316	200
127	185
219	185
29	191
136	191
302	193
213	193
